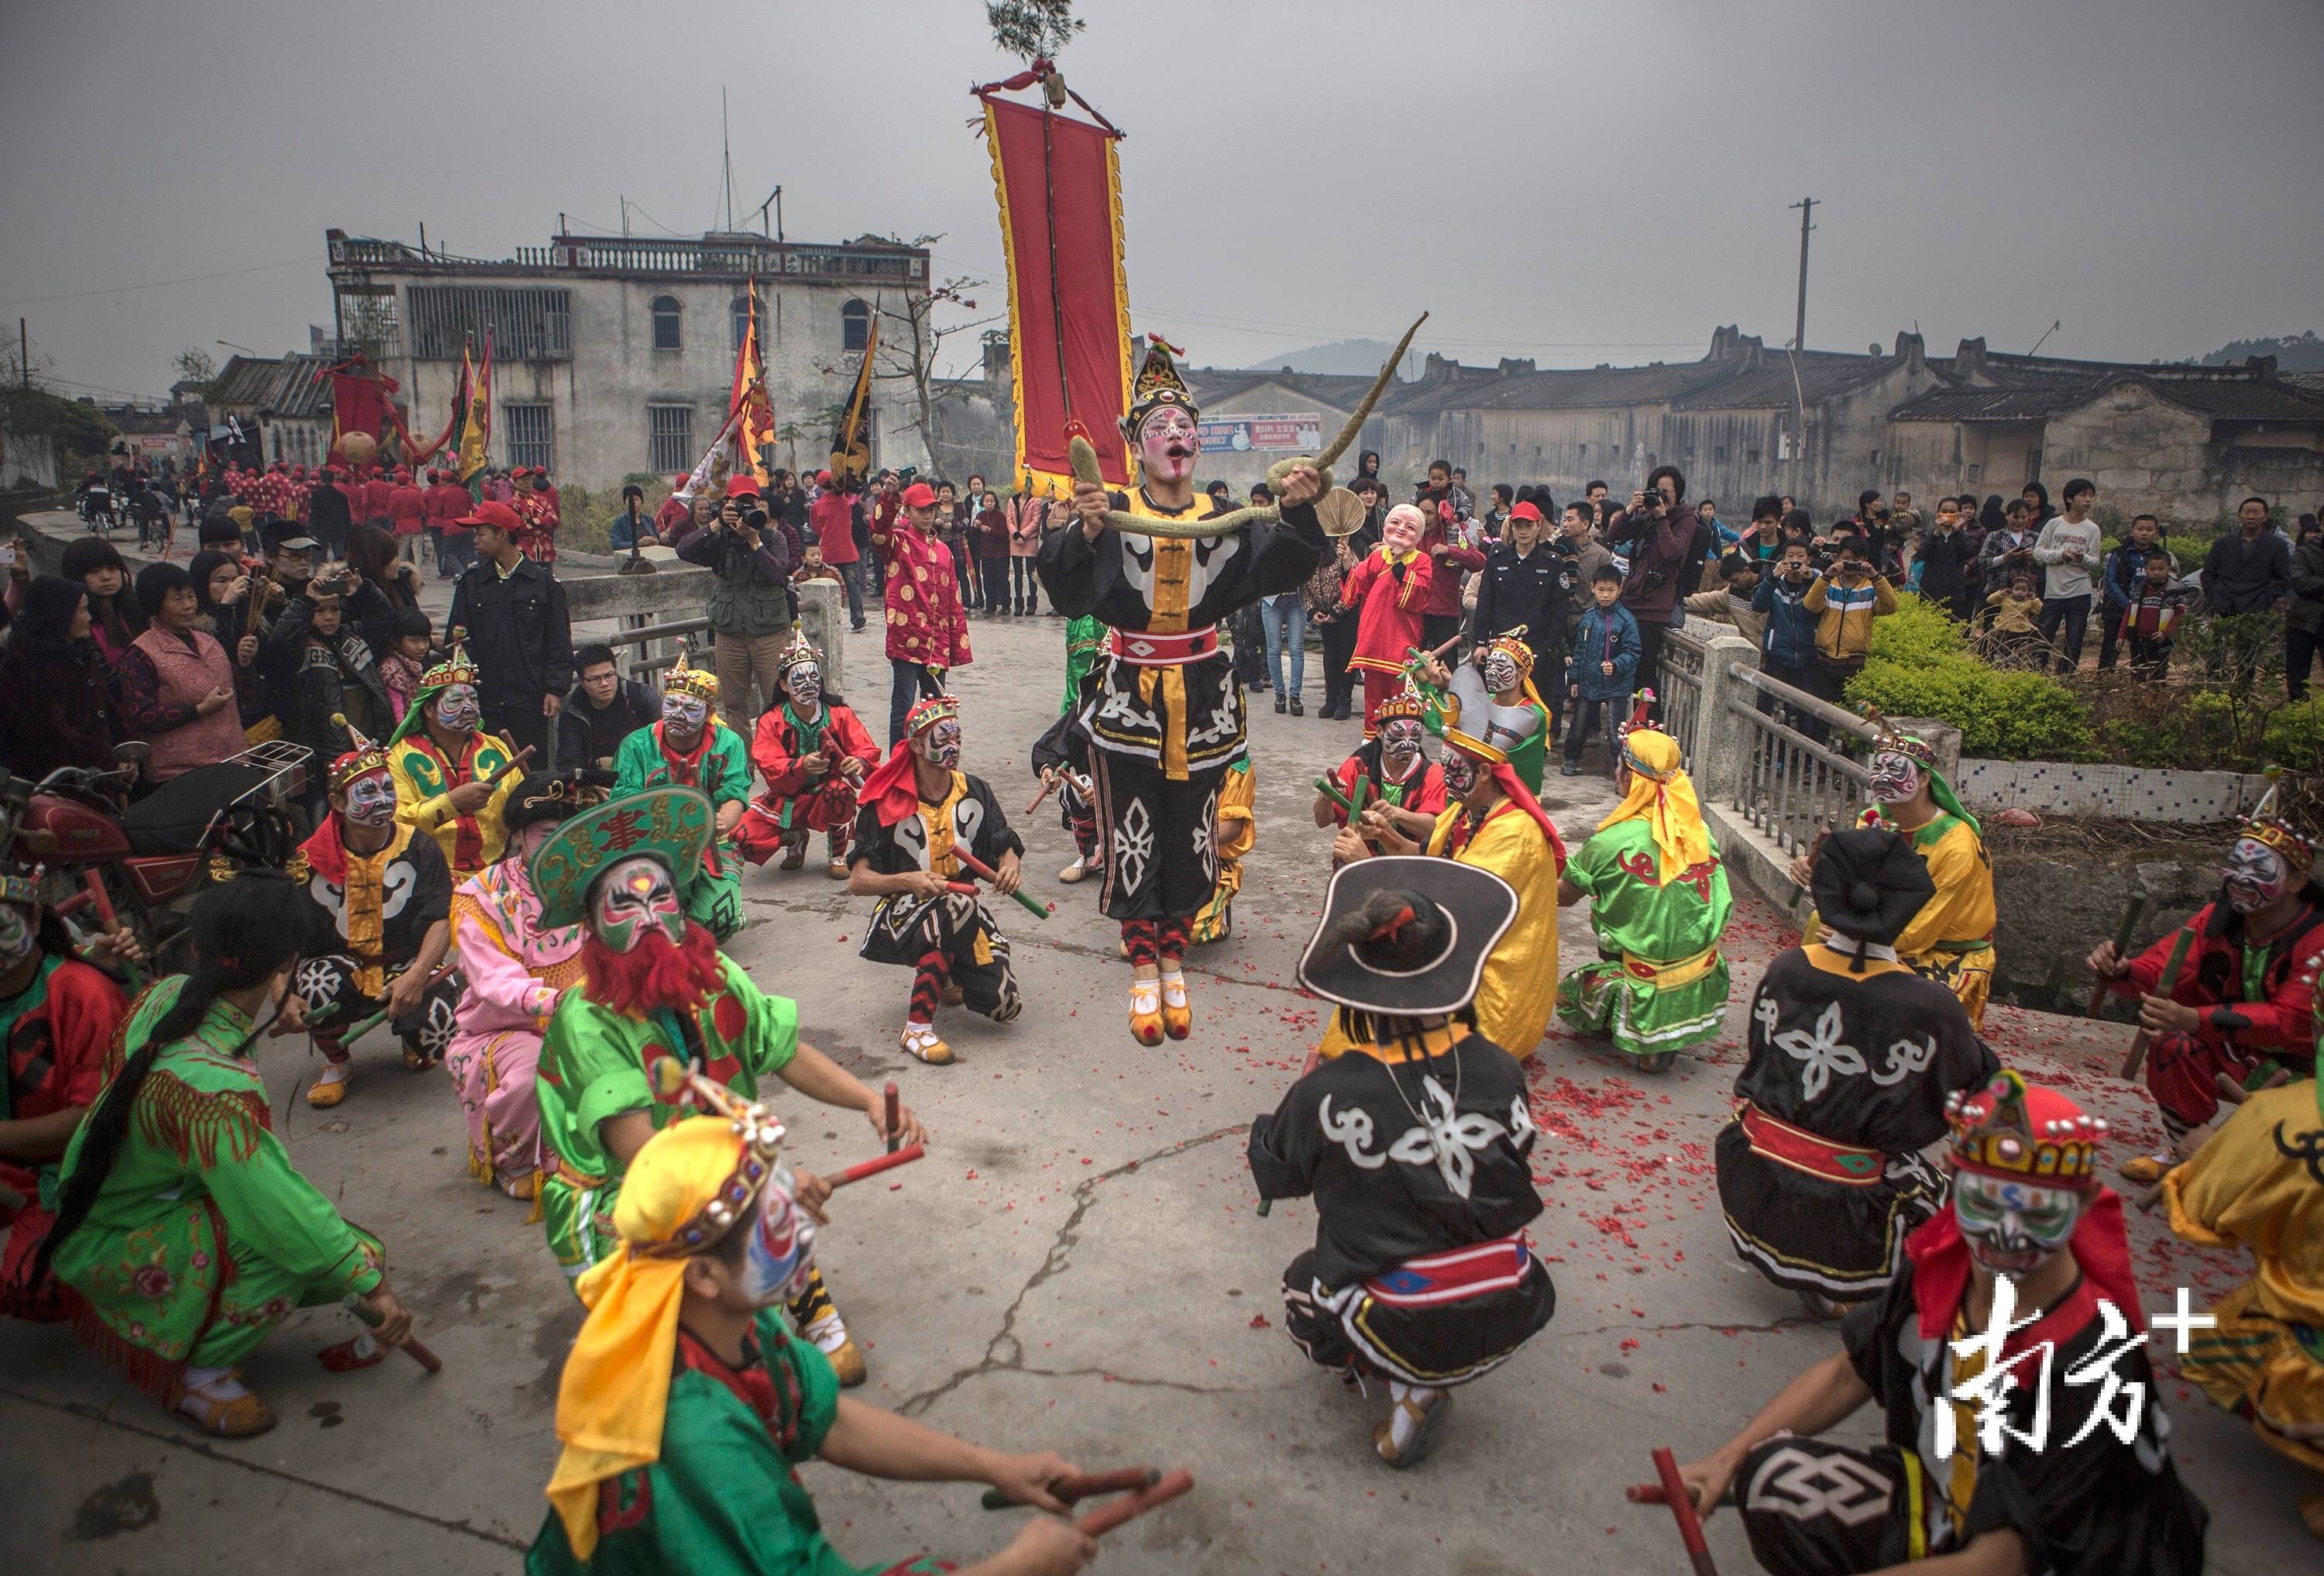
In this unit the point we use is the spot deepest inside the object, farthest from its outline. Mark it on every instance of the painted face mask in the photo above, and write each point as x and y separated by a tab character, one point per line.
782	1247
1896	777
371	799
1460	774
1501	672
2255	875
633	898
2013	1226
19	933
1167	445
1400	741
685	713
940	745
803	684
456	708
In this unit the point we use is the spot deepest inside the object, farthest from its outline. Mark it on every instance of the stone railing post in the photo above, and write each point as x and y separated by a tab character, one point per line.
824	622
1721	740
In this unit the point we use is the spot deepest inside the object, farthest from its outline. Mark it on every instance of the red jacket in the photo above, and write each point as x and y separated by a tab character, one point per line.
832	518
1443	596
925	621
1388	609
444	502
408	507
2212	976
376	495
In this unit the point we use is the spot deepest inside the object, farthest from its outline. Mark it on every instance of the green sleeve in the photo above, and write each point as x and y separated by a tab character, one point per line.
772	1039
818	1384
634	763
1590	867
280	1214
601	1074
734	768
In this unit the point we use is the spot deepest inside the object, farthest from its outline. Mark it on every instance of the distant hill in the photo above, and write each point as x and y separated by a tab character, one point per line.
1341	358
2293	352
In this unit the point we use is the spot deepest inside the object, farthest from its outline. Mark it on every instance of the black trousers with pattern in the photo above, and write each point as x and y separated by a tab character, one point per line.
1159	864
327	987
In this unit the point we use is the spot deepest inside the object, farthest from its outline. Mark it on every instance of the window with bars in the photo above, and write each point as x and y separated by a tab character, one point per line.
529	435
855	326
671	439
741	309
666	335
525	324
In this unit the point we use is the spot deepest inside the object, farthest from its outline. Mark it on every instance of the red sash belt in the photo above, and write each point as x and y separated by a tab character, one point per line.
1146	649
1801	1150
1450	1276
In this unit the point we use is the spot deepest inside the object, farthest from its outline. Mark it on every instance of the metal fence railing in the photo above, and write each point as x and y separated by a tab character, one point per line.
1678	687
1794	774
650	664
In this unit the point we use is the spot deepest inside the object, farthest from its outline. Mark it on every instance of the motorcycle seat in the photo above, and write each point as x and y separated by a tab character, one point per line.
170	819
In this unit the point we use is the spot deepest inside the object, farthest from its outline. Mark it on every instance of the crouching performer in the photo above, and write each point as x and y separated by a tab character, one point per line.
1415	1141
814	753
688	1406
655	986
1853	1057
2024	1430
919	811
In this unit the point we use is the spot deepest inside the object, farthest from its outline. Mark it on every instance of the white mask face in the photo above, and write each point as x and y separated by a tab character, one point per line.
781	1252
1501	672
803	684
2255	875
2011	1226
1460	774
371	799
20	932
1896	777
685	713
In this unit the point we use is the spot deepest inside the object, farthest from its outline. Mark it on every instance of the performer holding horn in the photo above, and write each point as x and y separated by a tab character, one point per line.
1161	566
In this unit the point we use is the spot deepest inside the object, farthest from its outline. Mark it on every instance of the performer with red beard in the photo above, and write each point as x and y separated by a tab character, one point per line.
655	986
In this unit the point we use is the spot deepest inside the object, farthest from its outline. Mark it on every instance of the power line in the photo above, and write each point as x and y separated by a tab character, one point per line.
123	290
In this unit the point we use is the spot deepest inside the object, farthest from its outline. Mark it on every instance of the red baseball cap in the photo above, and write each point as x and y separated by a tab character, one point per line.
499	516
742	488
1525	510
919	495
823	478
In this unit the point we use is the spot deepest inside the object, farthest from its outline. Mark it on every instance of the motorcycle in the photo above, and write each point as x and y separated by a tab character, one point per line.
107	865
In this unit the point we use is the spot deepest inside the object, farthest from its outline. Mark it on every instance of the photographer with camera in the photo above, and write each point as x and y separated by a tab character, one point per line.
1668	542
1845	603
751	608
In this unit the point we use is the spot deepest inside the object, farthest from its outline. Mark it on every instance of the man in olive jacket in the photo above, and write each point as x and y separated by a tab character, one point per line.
750	600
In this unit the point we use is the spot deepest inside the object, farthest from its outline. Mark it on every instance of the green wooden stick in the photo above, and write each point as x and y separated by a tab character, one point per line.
1324	785
2163	987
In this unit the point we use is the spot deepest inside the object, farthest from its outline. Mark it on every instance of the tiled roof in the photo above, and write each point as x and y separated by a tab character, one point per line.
286	386
2222	399
1769	384
1992	404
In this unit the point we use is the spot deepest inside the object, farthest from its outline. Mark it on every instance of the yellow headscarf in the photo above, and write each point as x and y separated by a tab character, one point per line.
616	1393
1663	795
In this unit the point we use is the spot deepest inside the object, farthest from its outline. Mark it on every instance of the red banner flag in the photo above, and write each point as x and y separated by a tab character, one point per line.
1059	183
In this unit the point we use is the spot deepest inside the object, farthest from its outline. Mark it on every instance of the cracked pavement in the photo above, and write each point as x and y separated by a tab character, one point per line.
1076	1266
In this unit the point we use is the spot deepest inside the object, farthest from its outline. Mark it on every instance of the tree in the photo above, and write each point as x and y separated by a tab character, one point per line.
910	340
1032	30
196	368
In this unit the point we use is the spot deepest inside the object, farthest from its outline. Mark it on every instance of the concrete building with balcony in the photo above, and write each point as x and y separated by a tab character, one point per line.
614	356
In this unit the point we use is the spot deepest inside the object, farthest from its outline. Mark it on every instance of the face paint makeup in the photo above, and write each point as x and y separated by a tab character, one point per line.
803	684
781	1250
2255	875
456	708
685	713
940	744
1501	672
1168	444
1400	741
20	932
633	898
1896	777
1460	774
2013	1226
370	800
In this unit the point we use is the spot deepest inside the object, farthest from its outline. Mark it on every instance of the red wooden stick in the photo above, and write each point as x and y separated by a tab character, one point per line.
876	1165
895	1119
1130	1506
412	1346
1682	1509
1073	1489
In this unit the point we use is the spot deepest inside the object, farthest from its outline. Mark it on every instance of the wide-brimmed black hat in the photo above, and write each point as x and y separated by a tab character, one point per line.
1419	956
1868	884
553	796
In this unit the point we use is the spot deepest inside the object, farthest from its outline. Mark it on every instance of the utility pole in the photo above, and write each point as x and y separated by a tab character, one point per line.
23	353
1806	206
727	157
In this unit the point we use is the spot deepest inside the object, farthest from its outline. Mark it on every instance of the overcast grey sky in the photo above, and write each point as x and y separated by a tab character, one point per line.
1576	182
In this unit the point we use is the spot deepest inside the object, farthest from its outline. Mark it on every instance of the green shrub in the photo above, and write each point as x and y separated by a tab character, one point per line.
1921	665
2294	735
1918	632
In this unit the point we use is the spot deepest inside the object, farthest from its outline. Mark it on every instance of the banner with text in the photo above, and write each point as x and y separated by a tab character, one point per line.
1301	432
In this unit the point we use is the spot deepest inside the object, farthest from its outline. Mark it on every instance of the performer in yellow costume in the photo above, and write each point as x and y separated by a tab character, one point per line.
2258	1183
1489	821
445	766
1951	940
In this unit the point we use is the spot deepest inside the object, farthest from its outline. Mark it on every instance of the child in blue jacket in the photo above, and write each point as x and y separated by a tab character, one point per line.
1604	663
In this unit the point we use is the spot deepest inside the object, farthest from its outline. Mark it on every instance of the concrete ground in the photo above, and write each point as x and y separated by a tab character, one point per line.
1076	1266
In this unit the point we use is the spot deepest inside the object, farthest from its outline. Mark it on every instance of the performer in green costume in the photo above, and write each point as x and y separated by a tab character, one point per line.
1658	903
655	986
691	748
180	1220
686	1408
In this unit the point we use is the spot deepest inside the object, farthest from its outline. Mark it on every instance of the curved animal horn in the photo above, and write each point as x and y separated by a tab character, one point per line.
1339	445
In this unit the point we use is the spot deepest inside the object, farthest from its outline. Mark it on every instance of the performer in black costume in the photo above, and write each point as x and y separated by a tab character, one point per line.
1163	712
1852	1057
1414	1141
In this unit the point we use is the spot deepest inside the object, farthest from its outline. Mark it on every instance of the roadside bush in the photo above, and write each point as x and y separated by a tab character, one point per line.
2294	736
1920	665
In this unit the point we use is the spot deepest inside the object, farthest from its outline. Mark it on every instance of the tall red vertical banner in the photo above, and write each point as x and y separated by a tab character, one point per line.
1059	183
